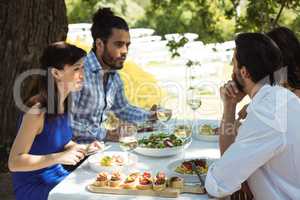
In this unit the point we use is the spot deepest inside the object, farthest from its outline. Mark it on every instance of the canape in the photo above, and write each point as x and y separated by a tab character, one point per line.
130	182
115	179
145	182
176	182
135	175
160	182
101	180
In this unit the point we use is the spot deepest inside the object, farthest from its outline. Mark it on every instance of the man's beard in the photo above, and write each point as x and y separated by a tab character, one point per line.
107	58
238	81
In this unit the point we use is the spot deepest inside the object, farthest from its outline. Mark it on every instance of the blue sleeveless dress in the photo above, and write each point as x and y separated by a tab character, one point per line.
36	185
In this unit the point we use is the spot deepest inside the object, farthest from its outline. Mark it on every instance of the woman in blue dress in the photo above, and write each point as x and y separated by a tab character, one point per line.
43	142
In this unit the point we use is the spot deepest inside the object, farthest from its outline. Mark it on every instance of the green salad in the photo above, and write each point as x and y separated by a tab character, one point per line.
160	140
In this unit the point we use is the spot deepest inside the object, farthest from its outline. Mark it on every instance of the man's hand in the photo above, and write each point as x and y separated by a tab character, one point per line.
153	115
246	189
230	94
243	112
243	194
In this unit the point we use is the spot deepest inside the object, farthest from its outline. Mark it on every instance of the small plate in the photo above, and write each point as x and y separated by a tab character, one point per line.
189	178
204	137
94	161
208	138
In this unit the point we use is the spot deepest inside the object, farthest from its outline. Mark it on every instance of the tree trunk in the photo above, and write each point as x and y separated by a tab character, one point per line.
26	27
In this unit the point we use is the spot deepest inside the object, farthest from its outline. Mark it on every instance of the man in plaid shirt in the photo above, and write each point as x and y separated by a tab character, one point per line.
103	89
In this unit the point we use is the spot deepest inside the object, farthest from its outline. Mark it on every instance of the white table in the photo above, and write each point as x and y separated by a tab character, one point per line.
73	186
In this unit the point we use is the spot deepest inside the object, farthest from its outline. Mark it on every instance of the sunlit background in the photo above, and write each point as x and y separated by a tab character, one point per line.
151	74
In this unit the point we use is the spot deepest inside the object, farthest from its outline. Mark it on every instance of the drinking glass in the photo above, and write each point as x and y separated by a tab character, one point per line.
163	115
128	138
194	102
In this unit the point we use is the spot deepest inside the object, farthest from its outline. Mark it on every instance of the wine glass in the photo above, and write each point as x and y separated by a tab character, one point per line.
111	122
163	115
194	101
128	138
194	98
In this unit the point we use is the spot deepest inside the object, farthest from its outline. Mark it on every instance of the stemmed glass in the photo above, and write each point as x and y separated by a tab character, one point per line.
194	100
111	122
163	115
128	138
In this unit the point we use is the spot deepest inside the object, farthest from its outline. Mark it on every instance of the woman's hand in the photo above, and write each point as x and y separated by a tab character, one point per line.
71	156
95	146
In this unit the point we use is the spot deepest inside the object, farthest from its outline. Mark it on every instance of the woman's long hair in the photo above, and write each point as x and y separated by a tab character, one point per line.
289	45
43	89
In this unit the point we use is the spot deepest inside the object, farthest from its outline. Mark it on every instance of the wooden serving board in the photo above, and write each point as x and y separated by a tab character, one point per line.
168	192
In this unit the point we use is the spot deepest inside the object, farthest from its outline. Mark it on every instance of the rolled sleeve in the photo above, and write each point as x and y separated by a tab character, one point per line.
131	113
124	110
252	149
215	187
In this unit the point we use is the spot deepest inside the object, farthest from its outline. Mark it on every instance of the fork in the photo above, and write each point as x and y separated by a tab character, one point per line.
100	150
202	182
194	169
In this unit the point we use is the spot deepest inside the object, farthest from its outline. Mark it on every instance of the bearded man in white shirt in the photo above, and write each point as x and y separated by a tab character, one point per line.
265	151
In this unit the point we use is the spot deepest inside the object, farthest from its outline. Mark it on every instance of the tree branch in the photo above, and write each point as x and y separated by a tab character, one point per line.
279	13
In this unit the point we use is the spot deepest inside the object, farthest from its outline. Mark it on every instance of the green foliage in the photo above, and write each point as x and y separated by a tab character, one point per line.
174	46
296	25
79	11
212	20
262	16
219	20
181	16
82	10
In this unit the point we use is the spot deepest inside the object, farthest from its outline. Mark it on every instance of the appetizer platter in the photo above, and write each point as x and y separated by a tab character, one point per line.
208	132
161	144
110	161
183	168
142	184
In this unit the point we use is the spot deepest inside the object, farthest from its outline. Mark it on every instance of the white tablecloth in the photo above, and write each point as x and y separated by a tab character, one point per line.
73	187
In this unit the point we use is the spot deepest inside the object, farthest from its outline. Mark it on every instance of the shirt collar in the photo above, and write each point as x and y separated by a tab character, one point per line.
259	95
91	62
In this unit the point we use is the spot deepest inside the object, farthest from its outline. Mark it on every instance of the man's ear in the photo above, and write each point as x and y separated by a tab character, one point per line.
56	74
99	45
244	72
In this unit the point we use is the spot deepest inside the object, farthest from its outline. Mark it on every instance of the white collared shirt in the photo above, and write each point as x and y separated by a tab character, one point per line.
266	151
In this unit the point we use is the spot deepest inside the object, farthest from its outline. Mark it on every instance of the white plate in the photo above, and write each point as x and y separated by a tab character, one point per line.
208	138
189	178
94	161
165	152
204	137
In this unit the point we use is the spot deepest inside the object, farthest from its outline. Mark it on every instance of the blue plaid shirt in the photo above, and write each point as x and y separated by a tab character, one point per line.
90	104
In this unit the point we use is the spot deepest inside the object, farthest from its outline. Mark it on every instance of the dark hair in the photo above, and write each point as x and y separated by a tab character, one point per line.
290	49
104	21
43	89
259	54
